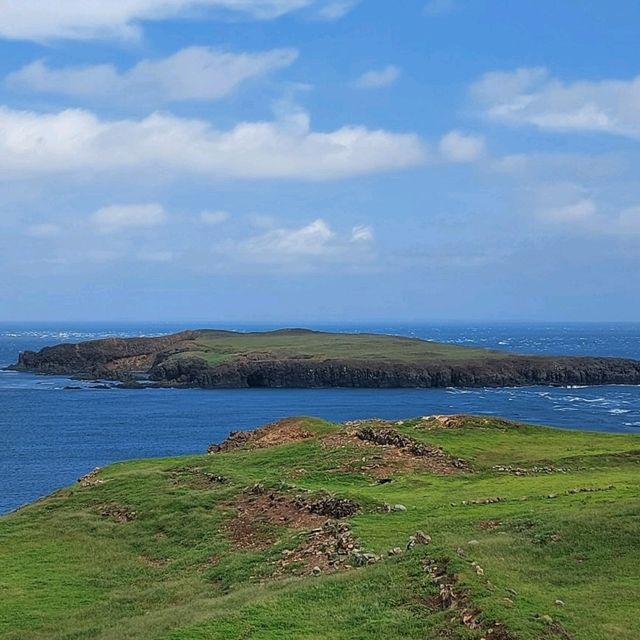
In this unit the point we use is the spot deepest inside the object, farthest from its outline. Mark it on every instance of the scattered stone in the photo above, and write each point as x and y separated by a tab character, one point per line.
473	543
479	570
394	507
393	438
522	471
453	598
559	603
316	571
461	552
547	619
396	551
118	514
590	489
91	479
494	500
332	507
418	538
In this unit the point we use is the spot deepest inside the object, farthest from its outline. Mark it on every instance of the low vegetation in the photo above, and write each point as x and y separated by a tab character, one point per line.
453	528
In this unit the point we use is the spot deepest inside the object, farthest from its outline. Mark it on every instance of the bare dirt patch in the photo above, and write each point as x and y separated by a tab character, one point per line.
271	435
261	513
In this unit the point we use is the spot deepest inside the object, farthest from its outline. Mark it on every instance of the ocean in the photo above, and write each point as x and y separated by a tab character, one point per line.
50	435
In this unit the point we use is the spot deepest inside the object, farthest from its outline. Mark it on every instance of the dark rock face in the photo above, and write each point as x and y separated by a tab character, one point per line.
508	371
133	358
113	358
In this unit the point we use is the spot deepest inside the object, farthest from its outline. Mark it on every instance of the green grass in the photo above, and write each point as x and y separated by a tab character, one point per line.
218	346
68	572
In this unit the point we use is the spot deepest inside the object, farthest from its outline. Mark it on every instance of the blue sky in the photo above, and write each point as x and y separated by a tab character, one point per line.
319	160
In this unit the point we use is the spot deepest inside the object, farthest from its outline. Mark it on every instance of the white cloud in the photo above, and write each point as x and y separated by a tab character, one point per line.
585	216
120	217
336	9
576	212
195	73
439	7
86	19
362	233
78	141
214	217
534	97
378	78
456	146
307	246
44	230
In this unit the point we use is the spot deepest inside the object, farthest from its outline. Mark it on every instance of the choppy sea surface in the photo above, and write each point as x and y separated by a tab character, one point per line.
50	434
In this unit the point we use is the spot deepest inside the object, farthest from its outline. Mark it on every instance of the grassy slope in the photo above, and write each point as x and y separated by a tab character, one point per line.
67	572
217	347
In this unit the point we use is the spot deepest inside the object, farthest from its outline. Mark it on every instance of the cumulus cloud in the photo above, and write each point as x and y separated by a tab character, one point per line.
585	216
532	96
195	73
456	146
86	19
307	246
79	141
122	217
378	78
213	217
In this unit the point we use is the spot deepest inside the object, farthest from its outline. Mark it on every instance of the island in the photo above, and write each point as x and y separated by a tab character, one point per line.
438	527
300	358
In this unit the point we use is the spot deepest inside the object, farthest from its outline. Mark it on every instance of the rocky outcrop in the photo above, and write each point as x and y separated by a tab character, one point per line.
112	358
493	372
173	361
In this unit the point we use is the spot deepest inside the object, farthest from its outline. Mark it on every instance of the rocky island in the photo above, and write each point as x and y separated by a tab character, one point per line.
300	358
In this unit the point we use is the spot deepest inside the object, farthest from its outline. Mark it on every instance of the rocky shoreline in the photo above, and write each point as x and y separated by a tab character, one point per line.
168	361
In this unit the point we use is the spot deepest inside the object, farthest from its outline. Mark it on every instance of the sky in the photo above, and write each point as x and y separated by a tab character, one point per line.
319	160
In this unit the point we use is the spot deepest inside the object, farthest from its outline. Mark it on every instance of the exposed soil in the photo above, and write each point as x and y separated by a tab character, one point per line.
271	435
260	513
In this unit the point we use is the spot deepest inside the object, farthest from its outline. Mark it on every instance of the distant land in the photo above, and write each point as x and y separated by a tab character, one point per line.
300	358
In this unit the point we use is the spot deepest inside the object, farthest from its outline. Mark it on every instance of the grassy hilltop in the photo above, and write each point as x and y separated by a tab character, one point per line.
443	528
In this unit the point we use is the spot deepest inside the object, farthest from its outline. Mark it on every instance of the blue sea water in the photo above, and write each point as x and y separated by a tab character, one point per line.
50	435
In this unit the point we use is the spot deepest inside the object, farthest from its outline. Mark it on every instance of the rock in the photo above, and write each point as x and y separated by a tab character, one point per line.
559	603
396	551
479	570
547	619
316	571
461	552
473	543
